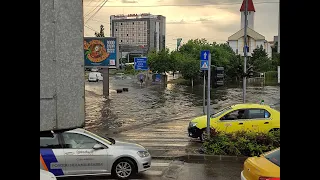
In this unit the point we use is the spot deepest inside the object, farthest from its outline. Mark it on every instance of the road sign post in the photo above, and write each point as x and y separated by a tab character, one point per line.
204	92
205	64
208	96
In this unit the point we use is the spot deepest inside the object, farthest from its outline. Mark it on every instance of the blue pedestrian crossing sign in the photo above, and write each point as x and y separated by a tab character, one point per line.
204	65
204	60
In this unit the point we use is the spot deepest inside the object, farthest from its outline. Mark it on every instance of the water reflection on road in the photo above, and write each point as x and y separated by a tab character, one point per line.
156	103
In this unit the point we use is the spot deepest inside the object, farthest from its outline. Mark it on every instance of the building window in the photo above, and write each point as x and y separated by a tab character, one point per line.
144	22
121	34
116	29
127	40
132	22
132	34
132	28
145	34
127	34
121	40
139	40
138	34
132	40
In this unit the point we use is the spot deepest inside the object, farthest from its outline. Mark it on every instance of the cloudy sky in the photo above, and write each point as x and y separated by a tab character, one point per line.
214	20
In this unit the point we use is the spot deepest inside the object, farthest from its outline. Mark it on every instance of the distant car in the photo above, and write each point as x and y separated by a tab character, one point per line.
247	117
79	152
265	167
46	175
94	69
95	77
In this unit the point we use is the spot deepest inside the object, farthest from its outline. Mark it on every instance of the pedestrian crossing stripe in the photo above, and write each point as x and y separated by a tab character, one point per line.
204	65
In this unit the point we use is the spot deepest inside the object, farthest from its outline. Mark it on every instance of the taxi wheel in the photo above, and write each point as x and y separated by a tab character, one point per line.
123	169
202	135
274	130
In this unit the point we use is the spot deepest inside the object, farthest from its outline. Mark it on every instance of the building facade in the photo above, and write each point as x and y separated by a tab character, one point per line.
254	39
139	32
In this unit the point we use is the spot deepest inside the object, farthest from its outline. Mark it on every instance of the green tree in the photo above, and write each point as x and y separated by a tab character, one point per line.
260	61
235	68
190	68
101	33
176	59
159	62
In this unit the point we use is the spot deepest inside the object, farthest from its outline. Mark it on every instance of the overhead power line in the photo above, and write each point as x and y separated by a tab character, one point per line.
88	13
90	28
96	11
185	5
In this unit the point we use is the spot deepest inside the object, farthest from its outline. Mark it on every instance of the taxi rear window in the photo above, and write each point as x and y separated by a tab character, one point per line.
274	157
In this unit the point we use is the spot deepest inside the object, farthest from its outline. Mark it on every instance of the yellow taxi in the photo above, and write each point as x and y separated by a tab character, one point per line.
247	117
265	167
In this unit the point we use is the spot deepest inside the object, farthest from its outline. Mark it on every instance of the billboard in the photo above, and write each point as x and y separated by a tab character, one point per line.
101	51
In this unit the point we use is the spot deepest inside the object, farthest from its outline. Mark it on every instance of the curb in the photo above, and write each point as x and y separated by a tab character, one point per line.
202	158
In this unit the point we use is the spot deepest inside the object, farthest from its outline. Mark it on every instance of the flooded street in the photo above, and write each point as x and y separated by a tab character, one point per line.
153	104
157	117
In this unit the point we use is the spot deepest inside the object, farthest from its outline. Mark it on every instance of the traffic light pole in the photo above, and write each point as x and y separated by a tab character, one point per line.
245	51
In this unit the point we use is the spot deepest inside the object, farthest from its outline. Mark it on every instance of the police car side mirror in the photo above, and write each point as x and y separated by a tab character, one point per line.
98	146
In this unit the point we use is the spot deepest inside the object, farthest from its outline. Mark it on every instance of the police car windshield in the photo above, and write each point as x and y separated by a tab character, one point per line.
98	137
220	112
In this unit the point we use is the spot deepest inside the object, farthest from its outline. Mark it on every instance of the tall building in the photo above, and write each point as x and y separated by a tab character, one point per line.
254	39
139	32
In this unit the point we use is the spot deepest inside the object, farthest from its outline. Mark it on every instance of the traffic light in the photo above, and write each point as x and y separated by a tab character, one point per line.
218	76
250	72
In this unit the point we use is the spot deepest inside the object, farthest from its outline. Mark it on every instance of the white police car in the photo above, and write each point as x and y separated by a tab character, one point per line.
79	152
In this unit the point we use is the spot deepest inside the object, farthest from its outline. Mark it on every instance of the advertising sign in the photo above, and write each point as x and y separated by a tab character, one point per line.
100	51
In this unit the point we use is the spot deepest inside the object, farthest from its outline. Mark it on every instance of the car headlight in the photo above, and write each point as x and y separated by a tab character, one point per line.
143	153
192	124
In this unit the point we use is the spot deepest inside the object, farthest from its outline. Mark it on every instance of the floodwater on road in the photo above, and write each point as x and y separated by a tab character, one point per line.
156	103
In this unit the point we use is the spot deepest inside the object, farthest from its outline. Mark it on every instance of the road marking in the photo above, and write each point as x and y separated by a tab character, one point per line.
162	145
155	140
155	164
153	173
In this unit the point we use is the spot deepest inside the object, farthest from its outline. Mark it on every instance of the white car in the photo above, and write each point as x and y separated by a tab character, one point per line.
95	77
79	153
46	175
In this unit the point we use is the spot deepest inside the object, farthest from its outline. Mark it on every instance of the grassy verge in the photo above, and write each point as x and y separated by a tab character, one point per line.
241	143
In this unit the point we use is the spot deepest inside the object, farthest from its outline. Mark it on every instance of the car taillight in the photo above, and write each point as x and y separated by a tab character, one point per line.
268	178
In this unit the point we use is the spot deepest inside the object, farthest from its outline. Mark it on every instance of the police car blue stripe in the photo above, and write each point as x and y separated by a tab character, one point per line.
49	157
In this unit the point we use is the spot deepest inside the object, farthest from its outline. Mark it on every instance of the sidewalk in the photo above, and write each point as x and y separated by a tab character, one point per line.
219	170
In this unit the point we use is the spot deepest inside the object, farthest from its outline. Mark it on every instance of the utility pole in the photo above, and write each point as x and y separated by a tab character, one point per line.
245	51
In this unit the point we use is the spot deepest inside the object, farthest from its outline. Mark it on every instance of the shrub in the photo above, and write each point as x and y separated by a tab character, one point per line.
241	143
129	67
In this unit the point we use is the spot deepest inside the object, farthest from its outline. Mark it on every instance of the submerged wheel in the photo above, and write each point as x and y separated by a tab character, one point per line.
202	135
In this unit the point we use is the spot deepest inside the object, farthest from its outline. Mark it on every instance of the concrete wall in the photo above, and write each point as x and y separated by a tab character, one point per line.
237	46
61	64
